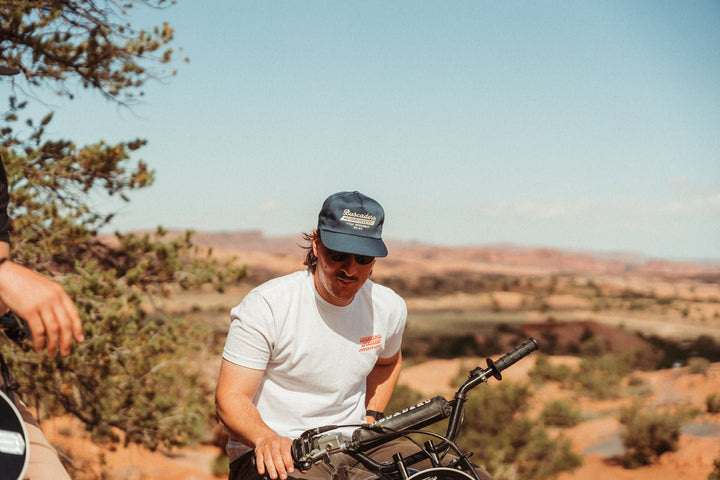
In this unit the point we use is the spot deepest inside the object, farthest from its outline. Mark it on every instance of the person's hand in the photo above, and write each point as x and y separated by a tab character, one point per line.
273	456
49	312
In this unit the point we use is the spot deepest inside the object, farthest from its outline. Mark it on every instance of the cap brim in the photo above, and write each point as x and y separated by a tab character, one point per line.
342	242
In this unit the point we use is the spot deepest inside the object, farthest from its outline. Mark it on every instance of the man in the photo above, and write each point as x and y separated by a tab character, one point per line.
54	322
312	348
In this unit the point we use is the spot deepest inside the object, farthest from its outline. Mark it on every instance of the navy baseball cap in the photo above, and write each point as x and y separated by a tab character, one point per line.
351	222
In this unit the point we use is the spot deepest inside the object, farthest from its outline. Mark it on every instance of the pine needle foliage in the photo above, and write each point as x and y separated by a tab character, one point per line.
62	44
136	378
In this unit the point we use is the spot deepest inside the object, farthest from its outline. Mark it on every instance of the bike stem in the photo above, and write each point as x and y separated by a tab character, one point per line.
482	375
460	398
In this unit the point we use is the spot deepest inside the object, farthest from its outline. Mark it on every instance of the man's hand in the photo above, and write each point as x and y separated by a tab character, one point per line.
272	455
49	312
236	387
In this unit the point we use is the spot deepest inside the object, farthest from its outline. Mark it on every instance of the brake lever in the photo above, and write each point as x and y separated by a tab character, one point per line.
311	448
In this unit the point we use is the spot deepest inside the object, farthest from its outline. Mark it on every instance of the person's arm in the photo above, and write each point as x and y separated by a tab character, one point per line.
236	387
381	383
49	312
4	253
42	303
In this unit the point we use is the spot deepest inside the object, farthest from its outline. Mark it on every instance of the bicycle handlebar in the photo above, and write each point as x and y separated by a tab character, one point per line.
312	446
416	417
511	358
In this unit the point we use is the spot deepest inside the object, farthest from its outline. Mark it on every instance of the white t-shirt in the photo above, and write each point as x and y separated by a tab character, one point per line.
316	356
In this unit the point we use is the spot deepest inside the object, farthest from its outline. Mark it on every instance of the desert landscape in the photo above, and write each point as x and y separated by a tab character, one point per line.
485	299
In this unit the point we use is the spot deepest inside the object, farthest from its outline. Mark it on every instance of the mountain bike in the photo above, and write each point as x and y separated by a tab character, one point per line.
448	461
14	441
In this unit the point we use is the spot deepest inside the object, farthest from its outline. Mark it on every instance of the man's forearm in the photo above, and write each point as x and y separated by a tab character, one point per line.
381	382
4	253
242	420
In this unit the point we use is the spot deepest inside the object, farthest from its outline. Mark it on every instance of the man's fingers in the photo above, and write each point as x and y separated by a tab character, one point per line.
272	463
37	331
265	465
53	331
279	465
74	318
66	321
288	460
66	341
62	324
38	343
77	331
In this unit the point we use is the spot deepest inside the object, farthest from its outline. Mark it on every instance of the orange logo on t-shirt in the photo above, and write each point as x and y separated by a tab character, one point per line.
370	343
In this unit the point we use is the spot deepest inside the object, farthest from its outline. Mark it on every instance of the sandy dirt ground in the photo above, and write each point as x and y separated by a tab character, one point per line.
690	307
596	439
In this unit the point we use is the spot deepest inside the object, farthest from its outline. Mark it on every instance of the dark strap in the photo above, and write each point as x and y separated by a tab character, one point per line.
374	414
8	385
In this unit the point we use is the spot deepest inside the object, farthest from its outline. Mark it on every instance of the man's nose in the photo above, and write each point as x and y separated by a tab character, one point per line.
350	265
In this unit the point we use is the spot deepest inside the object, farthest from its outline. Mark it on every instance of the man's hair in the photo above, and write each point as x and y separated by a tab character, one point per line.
310	258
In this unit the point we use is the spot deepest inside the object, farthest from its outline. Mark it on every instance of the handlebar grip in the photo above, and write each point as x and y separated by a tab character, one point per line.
518	353
418	416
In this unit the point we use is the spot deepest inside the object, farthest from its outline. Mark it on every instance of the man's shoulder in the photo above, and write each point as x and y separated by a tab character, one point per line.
382	292
280	284
276	291
387	305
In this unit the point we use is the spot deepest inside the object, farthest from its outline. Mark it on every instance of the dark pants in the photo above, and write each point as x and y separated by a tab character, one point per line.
342	467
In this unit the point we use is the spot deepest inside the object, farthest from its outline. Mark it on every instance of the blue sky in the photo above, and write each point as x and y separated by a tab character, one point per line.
579	125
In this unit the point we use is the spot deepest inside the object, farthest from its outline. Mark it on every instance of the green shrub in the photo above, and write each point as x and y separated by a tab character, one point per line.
635	381
403	397
220	466
698	365
506	441
645	358
637	387
715	474
713	403
594	346
546	371
648	435
599	377
455	346
559	413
